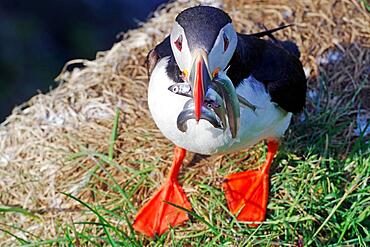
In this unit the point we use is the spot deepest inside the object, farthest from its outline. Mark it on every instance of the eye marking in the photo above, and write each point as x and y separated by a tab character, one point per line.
178	43
226	42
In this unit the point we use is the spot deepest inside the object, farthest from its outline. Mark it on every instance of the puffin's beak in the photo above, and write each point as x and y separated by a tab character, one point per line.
199	80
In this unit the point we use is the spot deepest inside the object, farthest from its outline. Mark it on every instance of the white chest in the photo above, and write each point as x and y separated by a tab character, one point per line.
268	121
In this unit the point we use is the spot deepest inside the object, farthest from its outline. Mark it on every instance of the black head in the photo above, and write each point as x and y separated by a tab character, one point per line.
202	25
203	29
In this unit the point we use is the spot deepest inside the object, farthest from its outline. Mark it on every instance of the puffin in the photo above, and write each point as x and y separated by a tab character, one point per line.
215	91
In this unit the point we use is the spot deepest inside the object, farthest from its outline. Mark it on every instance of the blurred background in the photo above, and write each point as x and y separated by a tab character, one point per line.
38	37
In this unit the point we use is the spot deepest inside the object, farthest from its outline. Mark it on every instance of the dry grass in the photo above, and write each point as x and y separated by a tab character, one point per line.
51	144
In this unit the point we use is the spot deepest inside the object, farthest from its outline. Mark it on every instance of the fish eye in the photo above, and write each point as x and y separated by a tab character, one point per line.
175	89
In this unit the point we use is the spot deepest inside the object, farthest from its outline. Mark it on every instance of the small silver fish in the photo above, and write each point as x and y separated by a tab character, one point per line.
181	89
188	114
243	101
227	89
189	104
214	101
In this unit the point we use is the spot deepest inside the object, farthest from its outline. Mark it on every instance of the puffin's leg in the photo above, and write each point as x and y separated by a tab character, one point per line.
156	216
247	192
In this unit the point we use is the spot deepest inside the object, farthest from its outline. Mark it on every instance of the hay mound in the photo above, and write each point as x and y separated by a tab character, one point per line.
41	141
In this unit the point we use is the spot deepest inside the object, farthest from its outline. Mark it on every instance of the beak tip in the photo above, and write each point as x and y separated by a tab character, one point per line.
197	115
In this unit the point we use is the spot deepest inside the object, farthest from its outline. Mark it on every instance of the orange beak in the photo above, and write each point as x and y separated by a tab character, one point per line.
198	90
200	76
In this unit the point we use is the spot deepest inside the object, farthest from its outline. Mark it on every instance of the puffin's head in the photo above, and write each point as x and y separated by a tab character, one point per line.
203	40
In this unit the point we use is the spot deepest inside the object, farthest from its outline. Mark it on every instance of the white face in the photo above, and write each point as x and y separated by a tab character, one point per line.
180	48
219	56
223	48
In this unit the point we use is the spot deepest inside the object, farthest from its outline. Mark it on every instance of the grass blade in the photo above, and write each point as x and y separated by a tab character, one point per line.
114	134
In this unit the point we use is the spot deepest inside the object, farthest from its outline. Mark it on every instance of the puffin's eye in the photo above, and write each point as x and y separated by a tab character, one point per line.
178	43
226	42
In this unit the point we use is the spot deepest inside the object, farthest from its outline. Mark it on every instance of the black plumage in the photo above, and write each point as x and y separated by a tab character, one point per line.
275	65
162	50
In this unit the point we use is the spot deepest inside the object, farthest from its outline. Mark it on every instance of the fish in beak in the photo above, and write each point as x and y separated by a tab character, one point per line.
199	79
214	96
225	87
189	113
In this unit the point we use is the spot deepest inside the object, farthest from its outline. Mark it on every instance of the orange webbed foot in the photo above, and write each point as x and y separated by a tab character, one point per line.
157	215
247	192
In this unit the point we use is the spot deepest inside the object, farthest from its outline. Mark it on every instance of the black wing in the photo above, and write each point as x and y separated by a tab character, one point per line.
277	65
162	50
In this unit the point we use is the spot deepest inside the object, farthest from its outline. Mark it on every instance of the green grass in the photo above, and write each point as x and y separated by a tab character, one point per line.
319	196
